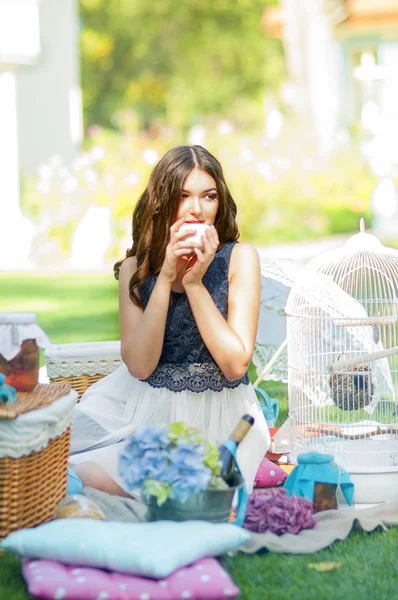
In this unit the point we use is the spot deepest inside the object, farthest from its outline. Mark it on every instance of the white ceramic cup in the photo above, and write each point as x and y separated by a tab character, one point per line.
196	238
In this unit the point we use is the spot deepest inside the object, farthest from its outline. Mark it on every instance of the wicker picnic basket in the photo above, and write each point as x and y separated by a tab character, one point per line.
82	364
34	451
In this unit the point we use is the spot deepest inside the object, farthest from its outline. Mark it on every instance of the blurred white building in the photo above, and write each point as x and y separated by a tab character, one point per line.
342	66
49	107
40	104
341	57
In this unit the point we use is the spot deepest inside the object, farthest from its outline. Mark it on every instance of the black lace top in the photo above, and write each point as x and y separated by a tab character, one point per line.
185	362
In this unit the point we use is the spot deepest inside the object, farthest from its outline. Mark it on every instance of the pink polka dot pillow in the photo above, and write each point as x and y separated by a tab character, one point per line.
203	580
269	474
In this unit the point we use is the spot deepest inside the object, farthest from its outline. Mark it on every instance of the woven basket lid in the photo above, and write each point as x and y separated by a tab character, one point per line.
17	318
43	395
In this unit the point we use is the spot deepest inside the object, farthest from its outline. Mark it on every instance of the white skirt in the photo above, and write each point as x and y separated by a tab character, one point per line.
112	409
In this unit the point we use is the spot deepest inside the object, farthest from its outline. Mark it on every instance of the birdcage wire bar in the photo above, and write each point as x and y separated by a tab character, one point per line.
342	331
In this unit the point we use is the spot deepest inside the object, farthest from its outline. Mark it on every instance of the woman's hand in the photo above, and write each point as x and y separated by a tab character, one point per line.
198	264
176	248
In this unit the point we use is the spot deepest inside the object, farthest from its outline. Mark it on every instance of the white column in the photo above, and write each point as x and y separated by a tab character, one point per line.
294	46
312	63
9	175
322	68
15	231
388	57
49	96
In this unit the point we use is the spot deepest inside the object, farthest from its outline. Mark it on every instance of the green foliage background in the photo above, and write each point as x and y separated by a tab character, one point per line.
176	61
151	72
282	194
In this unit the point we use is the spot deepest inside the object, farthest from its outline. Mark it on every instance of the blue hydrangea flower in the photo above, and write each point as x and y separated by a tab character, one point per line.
176	464
154	464
132	474
188	484
150	436
182	489
187	456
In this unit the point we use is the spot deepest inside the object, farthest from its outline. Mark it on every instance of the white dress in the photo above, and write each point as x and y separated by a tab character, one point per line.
186	386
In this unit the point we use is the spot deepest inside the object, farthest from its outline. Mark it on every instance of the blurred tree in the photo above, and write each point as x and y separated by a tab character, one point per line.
176	60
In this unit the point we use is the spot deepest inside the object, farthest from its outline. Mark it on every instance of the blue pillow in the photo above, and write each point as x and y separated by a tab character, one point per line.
147	549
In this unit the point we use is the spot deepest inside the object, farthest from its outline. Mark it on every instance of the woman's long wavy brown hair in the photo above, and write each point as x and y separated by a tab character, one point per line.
157	208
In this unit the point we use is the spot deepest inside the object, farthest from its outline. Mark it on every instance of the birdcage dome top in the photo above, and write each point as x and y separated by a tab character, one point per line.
357	280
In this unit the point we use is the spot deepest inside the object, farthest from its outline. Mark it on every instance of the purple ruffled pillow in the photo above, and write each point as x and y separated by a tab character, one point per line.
275	512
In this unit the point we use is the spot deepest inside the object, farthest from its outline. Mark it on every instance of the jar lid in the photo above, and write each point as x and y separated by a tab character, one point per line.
17	318
314	458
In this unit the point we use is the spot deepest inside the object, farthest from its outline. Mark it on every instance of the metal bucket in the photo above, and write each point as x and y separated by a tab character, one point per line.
209	505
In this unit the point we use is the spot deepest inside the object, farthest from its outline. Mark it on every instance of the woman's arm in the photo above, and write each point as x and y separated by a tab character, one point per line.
231	341
142	332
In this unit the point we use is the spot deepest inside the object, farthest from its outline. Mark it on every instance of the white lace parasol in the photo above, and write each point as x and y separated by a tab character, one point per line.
270	351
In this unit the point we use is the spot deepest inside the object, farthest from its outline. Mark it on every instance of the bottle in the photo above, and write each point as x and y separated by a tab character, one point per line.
227	449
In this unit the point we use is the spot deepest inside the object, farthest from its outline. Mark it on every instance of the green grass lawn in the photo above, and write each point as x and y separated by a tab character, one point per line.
70	308
77	308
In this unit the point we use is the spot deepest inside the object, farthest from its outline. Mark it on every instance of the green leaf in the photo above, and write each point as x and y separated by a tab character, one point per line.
183	432
218	483
210	458
160	490
177	431
194	436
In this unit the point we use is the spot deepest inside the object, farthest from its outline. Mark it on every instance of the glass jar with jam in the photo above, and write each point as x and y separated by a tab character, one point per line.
20	340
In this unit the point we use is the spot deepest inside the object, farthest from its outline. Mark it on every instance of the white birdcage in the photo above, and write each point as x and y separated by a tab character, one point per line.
342	328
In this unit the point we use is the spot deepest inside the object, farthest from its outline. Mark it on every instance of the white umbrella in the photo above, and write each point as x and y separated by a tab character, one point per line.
270	354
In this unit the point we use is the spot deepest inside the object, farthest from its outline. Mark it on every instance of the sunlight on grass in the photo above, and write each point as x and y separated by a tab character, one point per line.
24	305
69	307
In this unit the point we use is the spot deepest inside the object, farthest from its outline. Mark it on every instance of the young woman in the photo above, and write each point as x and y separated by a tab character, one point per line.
188	323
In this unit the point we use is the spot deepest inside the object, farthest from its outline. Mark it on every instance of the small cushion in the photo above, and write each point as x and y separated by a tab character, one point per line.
204	580
148	549
269	474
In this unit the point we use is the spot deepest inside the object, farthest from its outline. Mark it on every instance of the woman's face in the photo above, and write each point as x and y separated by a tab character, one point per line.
199	198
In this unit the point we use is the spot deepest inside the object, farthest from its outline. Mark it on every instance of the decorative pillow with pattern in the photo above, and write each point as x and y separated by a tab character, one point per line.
50	580
269	474
146	549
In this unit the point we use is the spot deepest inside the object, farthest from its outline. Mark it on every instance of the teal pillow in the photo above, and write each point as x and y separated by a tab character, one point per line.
148	549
